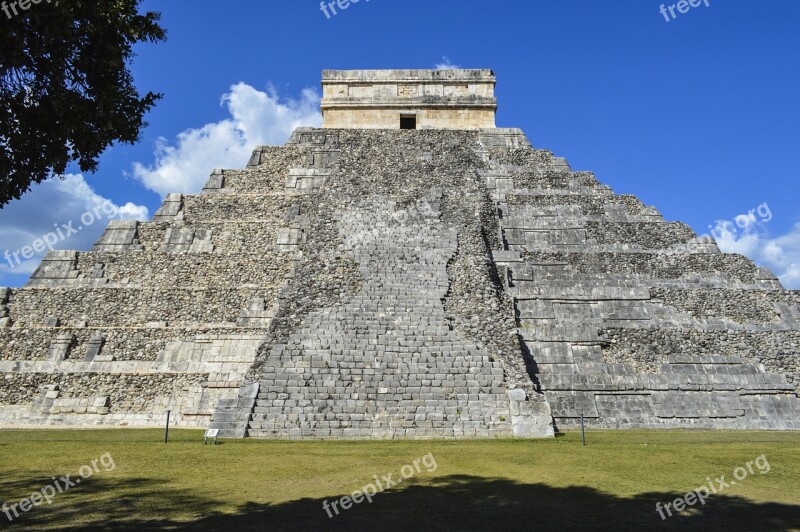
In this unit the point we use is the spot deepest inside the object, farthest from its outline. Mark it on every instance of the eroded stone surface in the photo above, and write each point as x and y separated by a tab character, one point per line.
381	284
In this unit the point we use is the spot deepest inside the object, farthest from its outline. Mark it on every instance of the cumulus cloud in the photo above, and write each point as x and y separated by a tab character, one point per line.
748	235
49	209
256	118
446	64
782	254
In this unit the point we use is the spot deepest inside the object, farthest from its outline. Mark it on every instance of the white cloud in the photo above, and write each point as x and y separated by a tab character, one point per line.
184	165
446	64
47	209
780	254
257	118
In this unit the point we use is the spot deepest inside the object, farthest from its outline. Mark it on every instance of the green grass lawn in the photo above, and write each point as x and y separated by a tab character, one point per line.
612	484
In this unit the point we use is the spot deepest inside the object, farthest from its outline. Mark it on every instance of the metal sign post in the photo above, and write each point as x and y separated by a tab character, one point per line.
583	432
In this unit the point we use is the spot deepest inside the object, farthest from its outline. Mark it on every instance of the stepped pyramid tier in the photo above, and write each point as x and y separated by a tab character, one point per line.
379	283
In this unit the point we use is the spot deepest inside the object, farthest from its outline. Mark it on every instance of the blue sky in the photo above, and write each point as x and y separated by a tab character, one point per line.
697	116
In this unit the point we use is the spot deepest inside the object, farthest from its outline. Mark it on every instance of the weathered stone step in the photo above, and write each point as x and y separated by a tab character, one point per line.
655	264
557	380
186	271
639	234
549	204
232	416
135	306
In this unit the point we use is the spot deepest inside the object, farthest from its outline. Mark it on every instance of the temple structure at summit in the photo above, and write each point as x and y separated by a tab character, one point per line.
408	99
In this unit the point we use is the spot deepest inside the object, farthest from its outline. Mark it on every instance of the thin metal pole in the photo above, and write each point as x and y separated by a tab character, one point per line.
166	429
583	432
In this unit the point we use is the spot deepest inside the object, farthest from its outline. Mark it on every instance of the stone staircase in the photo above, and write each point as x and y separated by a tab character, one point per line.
232	416
386	364
385	361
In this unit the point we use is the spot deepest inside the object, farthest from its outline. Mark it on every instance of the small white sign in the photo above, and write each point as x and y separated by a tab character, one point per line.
211	434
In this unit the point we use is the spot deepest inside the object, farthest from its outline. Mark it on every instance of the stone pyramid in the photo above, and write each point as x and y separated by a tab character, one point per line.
365	281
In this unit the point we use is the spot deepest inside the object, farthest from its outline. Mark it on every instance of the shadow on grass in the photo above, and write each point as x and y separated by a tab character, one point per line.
444	503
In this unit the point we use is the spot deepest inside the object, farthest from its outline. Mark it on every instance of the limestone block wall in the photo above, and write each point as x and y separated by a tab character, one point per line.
589	205
733	269
634	321
646	349
179	237
108	343
266	171
131	392
192	370
438	99
742	306
383	284
138	306
223	269
167	314
647	235
268	208
457	118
